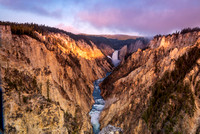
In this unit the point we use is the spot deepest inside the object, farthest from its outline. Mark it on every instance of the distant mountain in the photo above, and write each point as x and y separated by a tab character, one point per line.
115	36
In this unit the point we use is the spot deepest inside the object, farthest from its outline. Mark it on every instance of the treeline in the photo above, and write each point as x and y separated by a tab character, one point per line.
183	31
188	30
29	28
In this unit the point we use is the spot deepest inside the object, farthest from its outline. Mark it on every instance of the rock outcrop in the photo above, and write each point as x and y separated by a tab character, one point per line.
123	52
126	50
111	130
106	49
139	44
156	90
48	81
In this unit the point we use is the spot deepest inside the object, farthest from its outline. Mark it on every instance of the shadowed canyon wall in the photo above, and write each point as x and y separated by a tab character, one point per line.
156	90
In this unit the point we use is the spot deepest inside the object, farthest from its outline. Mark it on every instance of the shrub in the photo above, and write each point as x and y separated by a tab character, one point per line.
157	36
25	99
48	84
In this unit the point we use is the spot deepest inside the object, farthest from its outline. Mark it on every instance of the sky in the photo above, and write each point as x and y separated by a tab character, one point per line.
132	17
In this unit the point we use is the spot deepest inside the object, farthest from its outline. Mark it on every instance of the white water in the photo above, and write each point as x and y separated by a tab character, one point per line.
115	59
97	106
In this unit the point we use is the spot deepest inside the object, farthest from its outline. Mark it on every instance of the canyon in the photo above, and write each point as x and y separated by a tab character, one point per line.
58	82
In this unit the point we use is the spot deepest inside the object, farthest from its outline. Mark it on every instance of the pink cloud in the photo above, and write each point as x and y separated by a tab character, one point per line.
149	20
104	18
68	28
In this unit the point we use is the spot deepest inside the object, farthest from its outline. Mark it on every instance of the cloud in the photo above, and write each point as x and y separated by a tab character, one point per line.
37	6
67	28
148	17
145	17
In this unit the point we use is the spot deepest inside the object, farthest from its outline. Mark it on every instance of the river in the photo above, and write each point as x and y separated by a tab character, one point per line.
98	106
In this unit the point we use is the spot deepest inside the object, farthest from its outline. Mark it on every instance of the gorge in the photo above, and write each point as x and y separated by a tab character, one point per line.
60	81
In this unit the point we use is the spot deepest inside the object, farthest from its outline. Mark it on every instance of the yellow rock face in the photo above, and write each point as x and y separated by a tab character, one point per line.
48	83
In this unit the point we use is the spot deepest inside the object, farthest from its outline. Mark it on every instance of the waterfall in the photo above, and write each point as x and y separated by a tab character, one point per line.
115	59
